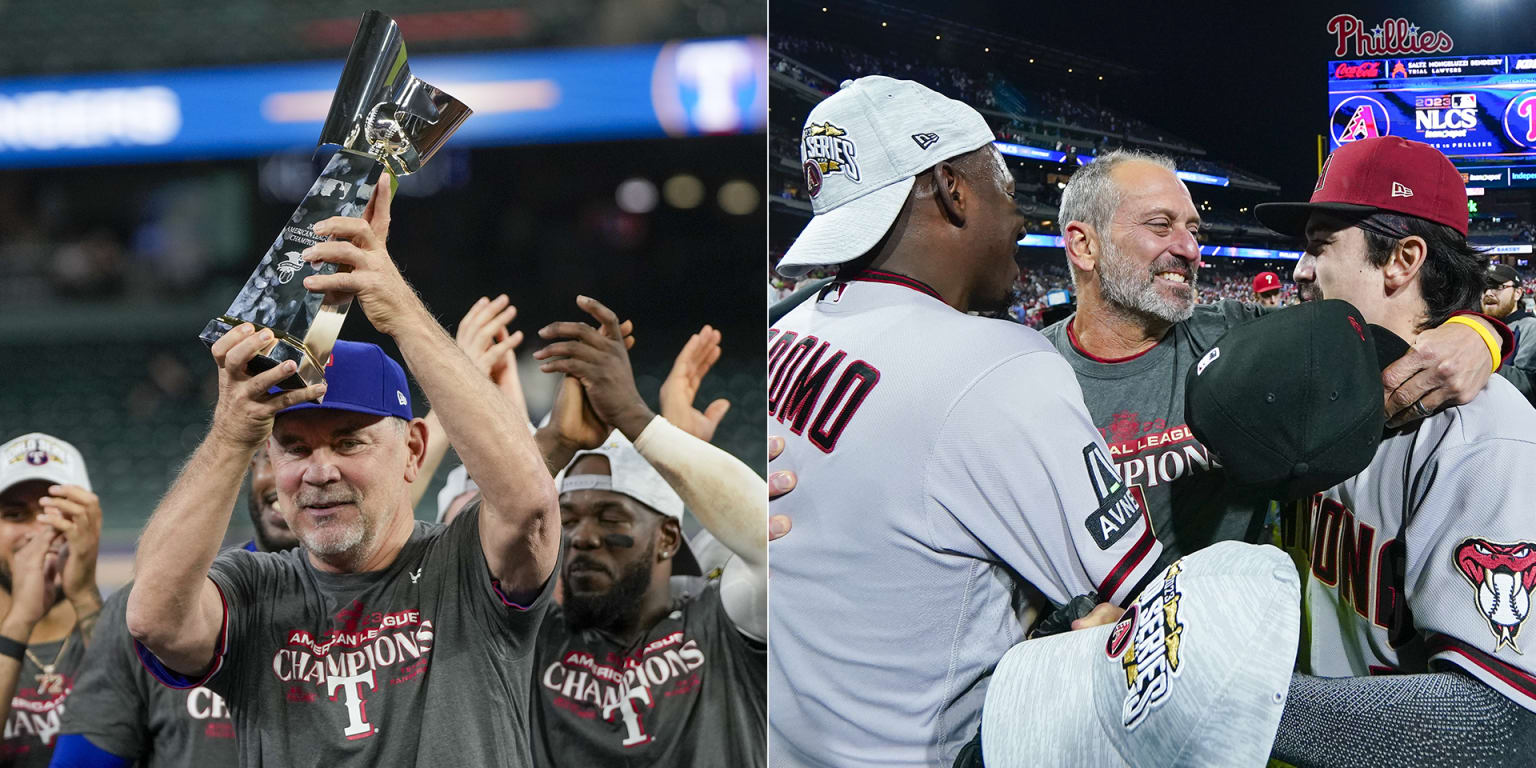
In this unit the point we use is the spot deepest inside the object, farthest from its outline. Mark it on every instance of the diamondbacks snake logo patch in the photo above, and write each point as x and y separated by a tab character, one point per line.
1502	576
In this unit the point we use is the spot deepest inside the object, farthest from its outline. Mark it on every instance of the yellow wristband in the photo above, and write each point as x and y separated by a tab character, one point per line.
1488	337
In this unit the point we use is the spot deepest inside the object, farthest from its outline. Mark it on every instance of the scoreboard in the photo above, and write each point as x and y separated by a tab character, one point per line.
1478	110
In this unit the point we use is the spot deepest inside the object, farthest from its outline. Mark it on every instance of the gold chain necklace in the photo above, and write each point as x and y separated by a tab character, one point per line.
49	683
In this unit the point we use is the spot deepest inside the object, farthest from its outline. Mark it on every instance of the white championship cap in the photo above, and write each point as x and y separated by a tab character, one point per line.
36	456
1194	674
633	476
860	150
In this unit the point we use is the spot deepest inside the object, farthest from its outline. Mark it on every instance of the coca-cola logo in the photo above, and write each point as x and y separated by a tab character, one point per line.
1390	37
1364	69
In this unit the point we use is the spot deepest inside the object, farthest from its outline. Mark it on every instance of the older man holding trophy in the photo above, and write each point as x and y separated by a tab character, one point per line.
380	641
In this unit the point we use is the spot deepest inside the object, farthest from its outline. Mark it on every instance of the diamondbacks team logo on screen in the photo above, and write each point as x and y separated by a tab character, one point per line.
1502	575
828	148
1360	117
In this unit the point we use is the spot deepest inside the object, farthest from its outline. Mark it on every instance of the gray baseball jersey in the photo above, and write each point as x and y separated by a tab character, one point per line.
1137	403
37	708
420	663
949	476
1428	557
120	708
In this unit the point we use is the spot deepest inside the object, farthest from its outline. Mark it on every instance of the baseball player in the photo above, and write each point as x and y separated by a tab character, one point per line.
119	715
627	671
380	640
1129	240
950	476
50	524
1266	289
1425	560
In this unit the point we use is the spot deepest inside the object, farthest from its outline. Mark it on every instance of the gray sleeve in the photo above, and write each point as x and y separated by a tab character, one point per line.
109	700
515	616
1018	473
1443	719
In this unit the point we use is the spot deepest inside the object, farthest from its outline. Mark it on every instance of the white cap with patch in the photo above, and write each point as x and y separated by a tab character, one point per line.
1195	674
630	474
860	149
36	456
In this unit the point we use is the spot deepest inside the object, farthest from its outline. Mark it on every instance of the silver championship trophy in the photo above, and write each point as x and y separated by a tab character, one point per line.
385	120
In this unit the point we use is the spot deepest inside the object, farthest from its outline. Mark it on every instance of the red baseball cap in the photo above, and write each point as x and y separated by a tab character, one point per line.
1264	282
1387	173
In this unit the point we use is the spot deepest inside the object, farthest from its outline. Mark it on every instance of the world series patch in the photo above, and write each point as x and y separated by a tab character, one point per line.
831	151
1152	660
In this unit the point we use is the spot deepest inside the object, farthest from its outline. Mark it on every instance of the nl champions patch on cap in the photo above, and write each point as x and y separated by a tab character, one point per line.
36	456
1291	403
1388	173
860	149
1194	674
360	377
630	474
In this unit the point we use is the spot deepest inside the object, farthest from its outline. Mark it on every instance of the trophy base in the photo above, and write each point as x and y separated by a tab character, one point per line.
282	349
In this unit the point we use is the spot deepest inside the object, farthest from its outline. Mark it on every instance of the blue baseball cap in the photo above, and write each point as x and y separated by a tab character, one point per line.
360	377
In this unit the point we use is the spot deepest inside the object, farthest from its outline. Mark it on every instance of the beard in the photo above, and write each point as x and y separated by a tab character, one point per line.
1124	285
334	536
1308	291
616	608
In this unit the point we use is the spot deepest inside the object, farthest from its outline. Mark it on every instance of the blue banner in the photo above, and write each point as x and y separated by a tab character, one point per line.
1466	107
675	89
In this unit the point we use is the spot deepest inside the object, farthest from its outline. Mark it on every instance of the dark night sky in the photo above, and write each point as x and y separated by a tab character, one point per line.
1243	79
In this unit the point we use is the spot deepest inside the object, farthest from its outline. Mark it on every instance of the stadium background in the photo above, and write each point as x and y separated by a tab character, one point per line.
1229	90
110	263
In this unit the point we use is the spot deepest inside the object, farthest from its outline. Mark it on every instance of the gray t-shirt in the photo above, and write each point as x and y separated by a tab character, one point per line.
1138	406
120	708
37	708
422	663
693	691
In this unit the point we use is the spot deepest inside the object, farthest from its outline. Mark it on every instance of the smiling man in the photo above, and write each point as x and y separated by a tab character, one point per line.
1131	235
373	642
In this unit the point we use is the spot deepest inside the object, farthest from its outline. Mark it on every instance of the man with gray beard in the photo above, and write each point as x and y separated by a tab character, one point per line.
370	643
1130	231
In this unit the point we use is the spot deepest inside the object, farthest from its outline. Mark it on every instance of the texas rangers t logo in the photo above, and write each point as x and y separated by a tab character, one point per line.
1503	575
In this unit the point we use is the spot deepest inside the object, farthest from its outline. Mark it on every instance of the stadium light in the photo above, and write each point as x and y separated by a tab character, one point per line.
883	24
986	50
1101	77
938	37
1069	70
1031	61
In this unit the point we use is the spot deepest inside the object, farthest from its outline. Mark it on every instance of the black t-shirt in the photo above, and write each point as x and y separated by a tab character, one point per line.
422	663
691	692
120	708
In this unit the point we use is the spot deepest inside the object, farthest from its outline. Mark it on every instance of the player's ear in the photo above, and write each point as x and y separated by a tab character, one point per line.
1405	262
1081	243
951	192
416	448
669	538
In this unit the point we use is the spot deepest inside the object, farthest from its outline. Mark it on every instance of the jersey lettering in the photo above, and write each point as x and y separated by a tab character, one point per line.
1343	554
799	369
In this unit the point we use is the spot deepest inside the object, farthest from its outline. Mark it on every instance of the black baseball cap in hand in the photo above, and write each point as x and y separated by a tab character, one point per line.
1291	403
